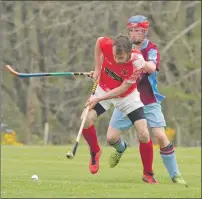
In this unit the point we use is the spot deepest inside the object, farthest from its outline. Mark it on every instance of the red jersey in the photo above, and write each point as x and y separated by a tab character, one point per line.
114	74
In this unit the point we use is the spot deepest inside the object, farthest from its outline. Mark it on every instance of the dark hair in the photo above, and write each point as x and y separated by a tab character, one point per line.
123	44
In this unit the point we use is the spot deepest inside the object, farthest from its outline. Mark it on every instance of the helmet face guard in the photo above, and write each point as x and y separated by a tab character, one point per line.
139	22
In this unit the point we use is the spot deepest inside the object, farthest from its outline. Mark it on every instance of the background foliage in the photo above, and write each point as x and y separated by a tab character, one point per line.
55	36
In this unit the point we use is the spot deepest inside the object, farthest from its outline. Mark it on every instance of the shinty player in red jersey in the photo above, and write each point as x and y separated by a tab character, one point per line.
115	67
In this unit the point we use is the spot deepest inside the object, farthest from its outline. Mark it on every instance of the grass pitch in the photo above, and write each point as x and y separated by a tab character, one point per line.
63	178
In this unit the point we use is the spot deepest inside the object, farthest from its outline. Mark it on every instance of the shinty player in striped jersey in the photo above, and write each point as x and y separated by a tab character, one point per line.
147	86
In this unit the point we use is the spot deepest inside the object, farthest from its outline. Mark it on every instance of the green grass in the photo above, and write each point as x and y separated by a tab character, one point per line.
63	178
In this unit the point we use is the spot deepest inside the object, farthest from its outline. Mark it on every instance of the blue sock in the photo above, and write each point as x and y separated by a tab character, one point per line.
169	160
120	146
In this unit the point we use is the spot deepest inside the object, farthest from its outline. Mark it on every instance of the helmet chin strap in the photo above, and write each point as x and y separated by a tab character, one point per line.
145	33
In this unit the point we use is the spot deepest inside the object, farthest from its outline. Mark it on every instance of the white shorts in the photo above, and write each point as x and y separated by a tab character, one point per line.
126	104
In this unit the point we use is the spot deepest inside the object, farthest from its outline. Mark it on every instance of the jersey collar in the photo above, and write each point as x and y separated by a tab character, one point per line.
144	44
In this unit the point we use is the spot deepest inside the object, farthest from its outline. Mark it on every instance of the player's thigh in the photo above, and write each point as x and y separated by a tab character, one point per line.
119	121
154	115
137	117
156	122
142	129
104	105
129	103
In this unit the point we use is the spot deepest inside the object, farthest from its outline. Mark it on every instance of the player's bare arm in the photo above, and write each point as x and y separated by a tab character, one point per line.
147	66
98	59
117	91
109	95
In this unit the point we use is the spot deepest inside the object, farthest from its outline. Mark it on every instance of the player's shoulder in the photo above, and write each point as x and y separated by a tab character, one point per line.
136	54
105	40
151	45
135	50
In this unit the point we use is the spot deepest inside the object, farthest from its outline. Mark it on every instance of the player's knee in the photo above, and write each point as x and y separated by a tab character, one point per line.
142	130
89	121
161	138
111	139
144	135
113	135
90	118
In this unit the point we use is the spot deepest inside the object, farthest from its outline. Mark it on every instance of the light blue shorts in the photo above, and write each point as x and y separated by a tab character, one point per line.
153	114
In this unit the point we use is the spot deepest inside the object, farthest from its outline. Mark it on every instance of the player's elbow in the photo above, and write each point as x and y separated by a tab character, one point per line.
99	38
150	67
151	70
